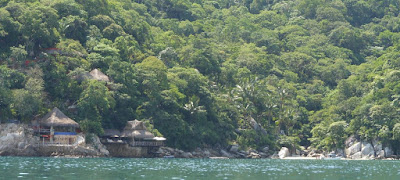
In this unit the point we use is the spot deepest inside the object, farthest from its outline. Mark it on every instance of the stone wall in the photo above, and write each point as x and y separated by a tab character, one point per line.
124	150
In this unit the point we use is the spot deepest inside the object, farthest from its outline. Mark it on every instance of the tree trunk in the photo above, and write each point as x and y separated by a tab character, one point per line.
373	147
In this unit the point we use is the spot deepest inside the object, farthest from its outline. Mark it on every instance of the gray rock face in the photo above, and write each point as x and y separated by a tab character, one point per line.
350	141
274	156
226	154
284	152
356	155
353	149
187	155
234	148
381	154
99	146
265	149
388	152
367	150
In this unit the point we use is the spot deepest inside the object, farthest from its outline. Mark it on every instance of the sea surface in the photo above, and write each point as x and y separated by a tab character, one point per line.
127	168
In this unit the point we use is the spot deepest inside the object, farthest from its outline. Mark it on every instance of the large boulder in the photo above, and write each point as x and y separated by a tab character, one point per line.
284	152
381	154
356	155
234	148
96	144
377	147
265	149
187	155
350	141
226	154
353	149
254	155
274	156
388	152
367	150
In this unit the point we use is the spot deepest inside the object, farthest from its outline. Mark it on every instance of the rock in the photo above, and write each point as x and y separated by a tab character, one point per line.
207	153
187	155
244	152
381	154
169	149
388	152
284	152
21	145
353	149
297	152
311	153
263	155
254	155
367	150
225	154
80	140
340	152
96	144
234	148
274	156
350	141
160	151
378	147
179	151
356	155
265	149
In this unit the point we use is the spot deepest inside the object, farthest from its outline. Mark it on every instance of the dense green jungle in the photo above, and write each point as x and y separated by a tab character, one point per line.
208	73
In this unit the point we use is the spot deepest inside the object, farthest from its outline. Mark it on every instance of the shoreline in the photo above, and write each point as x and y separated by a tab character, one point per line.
211	158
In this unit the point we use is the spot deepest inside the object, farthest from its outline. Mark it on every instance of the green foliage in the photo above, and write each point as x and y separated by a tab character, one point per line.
204	73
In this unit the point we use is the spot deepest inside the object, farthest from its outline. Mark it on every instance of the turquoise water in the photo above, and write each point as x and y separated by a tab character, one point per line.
114	168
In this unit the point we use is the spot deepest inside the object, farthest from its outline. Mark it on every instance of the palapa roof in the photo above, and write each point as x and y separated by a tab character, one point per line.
136	129
139	134
135	125
133	129
57	118
98	75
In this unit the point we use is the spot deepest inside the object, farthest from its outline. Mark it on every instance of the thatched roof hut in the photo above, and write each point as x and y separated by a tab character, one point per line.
98	75
136	129
135	125
138	134
57	118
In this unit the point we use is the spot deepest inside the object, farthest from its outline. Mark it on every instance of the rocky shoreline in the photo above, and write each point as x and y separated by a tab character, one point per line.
18	140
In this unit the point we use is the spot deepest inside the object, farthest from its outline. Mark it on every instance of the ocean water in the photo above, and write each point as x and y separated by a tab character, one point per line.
127	168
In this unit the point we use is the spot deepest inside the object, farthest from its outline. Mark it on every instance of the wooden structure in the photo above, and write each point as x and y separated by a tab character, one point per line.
56	128
134	134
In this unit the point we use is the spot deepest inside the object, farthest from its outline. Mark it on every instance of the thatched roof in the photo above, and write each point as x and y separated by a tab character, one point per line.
98	75
136	129
135	125
57	118
138	134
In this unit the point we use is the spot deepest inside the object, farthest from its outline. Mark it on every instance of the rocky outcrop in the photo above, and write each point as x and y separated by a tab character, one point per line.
284	152
97	145
365	150
18	140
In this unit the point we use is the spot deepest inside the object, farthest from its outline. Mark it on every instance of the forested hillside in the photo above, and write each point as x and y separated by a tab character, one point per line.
205	73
